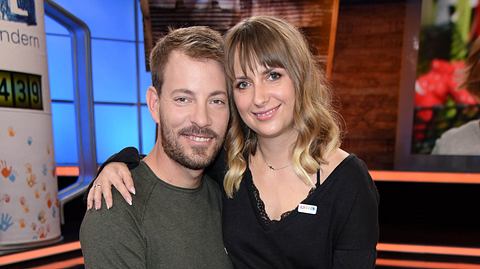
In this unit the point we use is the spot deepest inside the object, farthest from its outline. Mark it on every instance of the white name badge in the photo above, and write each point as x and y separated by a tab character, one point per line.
309	209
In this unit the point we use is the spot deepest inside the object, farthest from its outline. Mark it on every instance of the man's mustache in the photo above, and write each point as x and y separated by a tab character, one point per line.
195	130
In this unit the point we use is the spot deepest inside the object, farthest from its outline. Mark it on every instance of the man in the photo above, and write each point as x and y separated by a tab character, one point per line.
175	218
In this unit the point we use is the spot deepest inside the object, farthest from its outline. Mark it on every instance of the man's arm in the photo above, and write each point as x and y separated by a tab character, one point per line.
113	238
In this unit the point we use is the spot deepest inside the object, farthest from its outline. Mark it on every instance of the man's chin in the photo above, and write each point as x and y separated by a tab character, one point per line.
200	161
195	164
196	158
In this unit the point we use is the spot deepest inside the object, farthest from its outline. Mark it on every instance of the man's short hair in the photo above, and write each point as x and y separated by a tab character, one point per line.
198	42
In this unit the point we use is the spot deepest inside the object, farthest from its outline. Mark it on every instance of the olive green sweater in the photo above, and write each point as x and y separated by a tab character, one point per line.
166	227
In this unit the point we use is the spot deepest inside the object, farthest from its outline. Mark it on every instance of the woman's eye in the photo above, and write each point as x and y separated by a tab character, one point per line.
242	85
274	76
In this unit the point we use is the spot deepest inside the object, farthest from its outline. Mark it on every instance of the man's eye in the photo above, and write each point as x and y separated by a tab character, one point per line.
242	85
274	76
218	101
181	99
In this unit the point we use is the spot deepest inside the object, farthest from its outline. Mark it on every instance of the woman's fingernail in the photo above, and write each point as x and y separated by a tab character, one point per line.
132	190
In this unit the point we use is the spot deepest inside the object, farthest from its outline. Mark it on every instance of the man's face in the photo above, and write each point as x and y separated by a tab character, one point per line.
193	110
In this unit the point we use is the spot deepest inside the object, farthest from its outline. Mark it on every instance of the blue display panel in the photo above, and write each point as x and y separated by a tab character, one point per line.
53	27
116	127
111	19
64	133
114	71
145	77
59	57
148	130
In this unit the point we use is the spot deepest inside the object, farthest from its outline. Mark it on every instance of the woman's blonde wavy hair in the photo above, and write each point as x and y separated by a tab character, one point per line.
272	42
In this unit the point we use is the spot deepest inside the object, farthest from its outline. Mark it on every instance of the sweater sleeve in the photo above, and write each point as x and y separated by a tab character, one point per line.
355	246
113	238
129	156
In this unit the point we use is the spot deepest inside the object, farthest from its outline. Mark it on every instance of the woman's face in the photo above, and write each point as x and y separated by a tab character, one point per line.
265	99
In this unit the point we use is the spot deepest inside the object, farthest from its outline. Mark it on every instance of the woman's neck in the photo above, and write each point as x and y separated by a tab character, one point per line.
277	152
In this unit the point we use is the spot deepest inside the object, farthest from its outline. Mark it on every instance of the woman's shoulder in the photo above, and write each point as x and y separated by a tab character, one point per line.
350	181
335	158
335	161
348	169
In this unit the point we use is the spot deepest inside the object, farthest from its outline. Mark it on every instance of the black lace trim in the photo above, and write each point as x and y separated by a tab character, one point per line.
261	207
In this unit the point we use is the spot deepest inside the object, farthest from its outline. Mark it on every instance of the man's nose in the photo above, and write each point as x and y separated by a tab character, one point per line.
201	116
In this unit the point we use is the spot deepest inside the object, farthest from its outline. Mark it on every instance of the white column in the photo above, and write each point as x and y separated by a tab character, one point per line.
29	208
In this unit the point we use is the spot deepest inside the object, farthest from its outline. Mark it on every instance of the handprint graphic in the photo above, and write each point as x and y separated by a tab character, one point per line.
37	193
44	169
13	176
21	223
31	177
41	217
29	168
42	233
11	132
4	169
5	222
23	203
31	180
5	198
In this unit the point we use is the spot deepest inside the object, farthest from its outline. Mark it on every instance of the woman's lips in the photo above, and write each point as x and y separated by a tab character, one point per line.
267	114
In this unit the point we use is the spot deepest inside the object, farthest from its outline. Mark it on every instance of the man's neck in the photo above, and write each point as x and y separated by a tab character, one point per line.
171	171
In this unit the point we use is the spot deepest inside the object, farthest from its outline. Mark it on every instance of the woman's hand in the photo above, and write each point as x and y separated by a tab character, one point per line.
116	174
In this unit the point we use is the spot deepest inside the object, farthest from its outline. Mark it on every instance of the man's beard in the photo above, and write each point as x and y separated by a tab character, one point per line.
200	158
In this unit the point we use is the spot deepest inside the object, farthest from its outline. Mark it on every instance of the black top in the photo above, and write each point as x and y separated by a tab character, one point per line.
342	234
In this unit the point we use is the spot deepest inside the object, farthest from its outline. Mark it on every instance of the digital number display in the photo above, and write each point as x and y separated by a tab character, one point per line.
20	90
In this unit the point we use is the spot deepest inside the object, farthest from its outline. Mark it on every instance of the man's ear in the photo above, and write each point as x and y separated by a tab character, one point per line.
153	103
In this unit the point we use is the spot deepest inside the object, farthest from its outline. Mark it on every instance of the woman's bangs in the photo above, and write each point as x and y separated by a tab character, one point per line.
257	50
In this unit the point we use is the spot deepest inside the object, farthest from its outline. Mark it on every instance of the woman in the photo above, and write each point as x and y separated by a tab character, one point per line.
293	198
